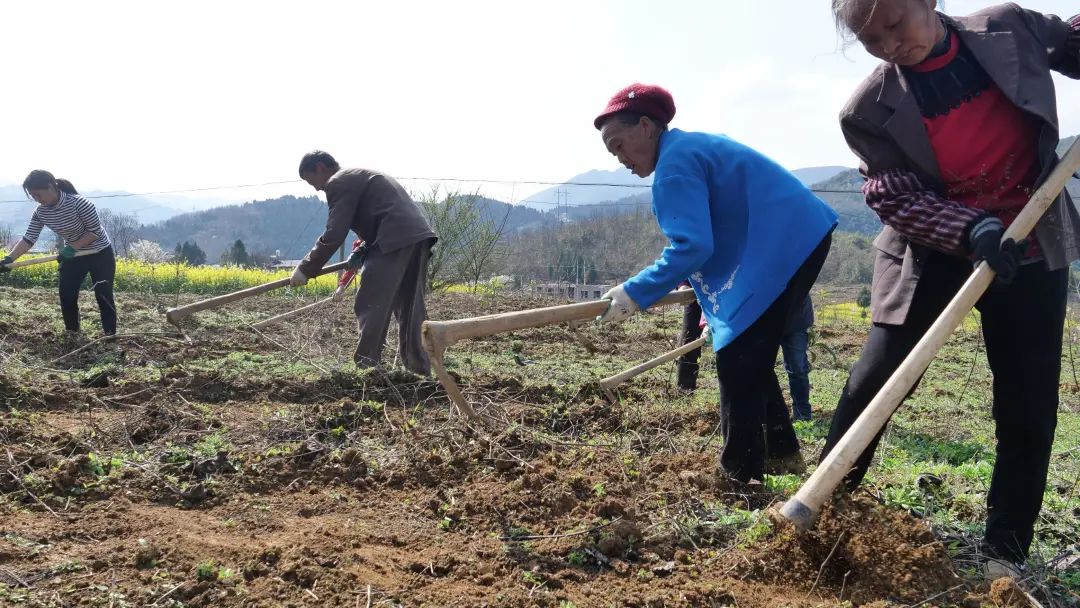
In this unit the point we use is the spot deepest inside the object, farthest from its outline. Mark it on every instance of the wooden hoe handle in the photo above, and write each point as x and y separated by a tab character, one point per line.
613	381
803	508
437	335
43	259
178	314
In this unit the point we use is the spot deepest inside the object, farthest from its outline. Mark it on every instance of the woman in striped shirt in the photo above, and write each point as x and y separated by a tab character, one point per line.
87	249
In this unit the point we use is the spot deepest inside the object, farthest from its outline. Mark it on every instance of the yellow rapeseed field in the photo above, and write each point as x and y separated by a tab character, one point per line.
136	276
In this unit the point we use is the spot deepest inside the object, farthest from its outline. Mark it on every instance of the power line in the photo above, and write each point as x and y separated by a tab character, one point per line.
524	181
432	179
183	191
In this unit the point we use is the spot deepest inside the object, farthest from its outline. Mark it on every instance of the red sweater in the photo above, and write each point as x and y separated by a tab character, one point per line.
984	144
985	147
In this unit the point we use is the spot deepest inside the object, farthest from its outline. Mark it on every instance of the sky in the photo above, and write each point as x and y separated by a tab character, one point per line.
154	96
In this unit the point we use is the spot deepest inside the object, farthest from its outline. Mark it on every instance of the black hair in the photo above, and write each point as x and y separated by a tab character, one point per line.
313	158
628	118
64	185
39	179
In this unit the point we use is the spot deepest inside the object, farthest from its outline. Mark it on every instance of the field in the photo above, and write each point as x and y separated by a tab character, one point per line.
228	467
171	278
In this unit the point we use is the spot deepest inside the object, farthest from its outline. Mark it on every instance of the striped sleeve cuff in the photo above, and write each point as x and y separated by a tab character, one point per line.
919	213
1074	38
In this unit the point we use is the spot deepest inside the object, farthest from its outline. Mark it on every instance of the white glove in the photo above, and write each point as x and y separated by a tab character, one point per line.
339	294
621	308
706	333
297	279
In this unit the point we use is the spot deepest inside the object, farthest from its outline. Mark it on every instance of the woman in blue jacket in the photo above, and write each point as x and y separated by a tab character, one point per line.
751	237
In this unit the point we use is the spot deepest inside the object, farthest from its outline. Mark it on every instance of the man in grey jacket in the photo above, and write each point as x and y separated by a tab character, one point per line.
394	265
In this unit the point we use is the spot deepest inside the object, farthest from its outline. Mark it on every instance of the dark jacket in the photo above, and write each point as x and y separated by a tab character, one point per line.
375	207
882	123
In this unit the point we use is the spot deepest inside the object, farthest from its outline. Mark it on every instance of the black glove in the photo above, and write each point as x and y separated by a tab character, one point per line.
4	264
356	259
984	237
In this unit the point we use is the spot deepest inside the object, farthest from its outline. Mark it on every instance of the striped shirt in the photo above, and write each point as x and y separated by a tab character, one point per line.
70	218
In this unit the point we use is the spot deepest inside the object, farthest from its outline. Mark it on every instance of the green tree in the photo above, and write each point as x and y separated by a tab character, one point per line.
236	255
863	300
190	253
470	238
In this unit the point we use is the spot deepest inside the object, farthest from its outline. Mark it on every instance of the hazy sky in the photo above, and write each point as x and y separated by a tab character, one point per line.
147	96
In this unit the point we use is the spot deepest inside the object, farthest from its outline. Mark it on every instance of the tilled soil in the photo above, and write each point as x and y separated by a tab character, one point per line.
183	484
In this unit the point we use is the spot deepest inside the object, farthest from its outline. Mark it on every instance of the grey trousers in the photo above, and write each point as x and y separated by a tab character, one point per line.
393	283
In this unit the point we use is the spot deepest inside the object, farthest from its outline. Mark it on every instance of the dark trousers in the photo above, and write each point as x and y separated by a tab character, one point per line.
1022	327
753	415
393	283
101	267
687	365
797	365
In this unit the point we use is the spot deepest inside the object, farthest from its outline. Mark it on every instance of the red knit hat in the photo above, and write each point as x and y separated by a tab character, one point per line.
648	99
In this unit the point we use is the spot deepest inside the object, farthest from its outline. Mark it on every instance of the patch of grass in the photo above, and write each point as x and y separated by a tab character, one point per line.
209	570
576	558
533	579
206	570
211	445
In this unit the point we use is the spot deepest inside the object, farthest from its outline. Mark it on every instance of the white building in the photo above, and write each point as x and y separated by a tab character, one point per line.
569	291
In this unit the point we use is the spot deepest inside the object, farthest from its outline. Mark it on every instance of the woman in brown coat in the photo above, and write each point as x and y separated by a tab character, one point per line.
955	130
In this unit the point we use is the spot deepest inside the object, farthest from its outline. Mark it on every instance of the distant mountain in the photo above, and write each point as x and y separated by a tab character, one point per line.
287	224
607	186
611	186
290	225
16	208
640	201
1074	184
1064	144
520	217
16	214
843	192
814	175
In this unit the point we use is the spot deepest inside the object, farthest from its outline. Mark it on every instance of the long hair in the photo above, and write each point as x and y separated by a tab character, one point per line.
40	179
64	185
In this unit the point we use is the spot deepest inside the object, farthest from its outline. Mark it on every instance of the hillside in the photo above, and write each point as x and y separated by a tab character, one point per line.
291	224
843	193
615	185
1064	144
620	185
288	225
813	175
16	208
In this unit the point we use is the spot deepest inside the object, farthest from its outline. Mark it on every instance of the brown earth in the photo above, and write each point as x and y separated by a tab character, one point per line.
189	485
